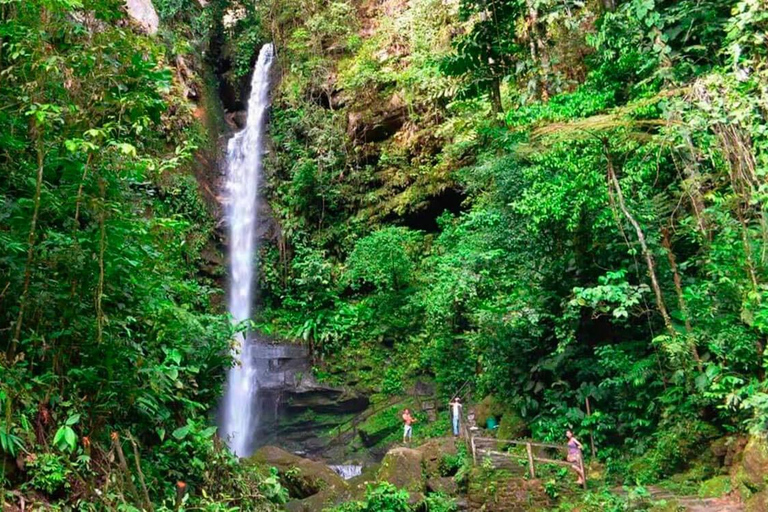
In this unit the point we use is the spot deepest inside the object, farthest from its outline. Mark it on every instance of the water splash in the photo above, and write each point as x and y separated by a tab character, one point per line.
347	471
244	152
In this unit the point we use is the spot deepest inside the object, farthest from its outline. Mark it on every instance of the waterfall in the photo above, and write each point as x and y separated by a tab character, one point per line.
239	415
347	471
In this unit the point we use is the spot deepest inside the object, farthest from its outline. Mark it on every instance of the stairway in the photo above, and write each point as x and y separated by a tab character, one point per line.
689	503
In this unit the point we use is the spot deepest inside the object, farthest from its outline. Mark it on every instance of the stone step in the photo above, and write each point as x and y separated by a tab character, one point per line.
690	503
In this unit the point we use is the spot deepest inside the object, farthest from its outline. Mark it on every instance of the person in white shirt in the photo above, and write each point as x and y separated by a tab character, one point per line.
455	414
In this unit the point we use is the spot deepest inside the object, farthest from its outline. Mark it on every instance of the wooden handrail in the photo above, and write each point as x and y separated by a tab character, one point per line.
522	442
353	422
532	459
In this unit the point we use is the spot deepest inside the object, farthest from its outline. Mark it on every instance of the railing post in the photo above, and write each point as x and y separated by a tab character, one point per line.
531	468
583	473
591	436
474	452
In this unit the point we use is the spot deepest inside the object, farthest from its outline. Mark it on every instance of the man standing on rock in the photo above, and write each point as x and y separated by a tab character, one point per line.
455	415
408	429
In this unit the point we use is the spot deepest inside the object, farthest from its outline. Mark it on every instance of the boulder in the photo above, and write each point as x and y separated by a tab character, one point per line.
322	500
444	484
237	119
432	453
402	468
715	487
749	472
734	449
757	502
301	477
367	476
144	14
330	497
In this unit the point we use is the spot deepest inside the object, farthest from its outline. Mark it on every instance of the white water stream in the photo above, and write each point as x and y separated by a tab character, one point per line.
239	416
347	471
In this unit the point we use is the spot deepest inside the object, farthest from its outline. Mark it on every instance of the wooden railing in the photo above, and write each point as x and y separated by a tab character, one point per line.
475	444
352	423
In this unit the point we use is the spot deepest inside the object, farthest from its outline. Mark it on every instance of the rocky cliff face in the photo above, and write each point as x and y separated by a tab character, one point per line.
295	410
144	14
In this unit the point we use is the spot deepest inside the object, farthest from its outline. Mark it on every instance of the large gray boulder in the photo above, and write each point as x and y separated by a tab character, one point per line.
144	14
749	474
401	467
432	453
302	477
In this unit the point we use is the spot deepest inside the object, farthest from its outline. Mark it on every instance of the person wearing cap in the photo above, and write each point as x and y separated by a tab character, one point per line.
455	415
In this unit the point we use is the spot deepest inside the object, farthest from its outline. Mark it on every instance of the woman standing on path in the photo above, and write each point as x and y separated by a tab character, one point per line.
575	455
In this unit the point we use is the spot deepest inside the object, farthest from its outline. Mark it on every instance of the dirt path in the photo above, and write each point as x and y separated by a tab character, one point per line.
692	503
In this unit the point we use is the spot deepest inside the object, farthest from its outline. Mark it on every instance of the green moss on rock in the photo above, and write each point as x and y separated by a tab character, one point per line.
715	487
512	426
401	467
302	477
749	472
433	452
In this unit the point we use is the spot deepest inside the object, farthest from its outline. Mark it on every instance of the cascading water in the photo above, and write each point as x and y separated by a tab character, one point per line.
244	152
347	471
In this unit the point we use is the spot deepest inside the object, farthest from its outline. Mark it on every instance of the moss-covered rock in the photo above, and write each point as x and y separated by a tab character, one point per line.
699	470
433	452
443	484
757	502
512	426
715	487
750	468
734	448
324	499
402	468
487	408
755	462
302	477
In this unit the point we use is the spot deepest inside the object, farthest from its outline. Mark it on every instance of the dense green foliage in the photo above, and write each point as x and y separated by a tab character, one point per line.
558	203
608	242
113	354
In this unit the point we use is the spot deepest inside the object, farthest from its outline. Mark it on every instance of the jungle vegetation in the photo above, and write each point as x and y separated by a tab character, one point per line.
559	201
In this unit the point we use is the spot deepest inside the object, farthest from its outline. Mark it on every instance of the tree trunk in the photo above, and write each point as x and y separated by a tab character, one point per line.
30	246
693	188
538	52
102	247
649	260
80	188
495	97
680	297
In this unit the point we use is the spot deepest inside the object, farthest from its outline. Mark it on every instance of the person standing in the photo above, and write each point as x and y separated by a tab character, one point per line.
408	421
575	455
456	409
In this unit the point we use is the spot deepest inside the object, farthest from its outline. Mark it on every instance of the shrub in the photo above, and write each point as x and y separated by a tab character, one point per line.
384	497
